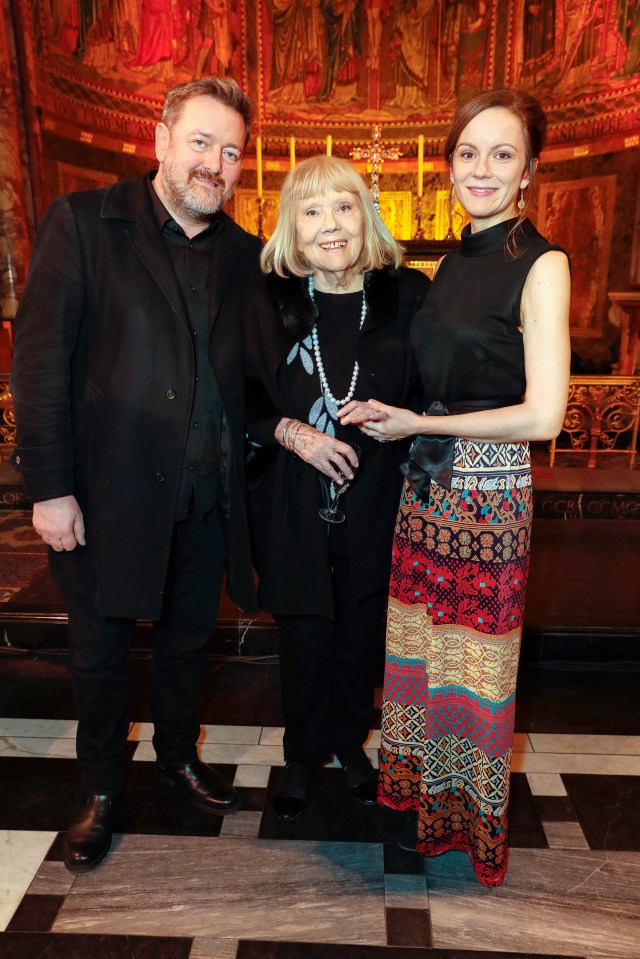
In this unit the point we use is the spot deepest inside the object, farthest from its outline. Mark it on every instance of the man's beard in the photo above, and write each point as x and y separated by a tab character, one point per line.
183	200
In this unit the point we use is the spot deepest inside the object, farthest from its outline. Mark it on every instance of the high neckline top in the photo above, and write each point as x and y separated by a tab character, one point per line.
486	241
467	337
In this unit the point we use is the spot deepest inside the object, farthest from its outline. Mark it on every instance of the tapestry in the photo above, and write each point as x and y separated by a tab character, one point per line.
578	215
314	67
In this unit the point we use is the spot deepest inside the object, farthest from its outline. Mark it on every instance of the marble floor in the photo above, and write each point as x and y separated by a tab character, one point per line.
333	884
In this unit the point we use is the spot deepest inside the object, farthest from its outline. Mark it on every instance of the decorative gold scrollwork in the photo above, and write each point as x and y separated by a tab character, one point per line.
7	420
602	417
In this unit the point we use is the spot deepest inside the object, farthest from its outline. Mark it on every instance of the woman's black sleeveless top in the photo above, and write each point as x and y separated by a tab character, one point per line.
466	336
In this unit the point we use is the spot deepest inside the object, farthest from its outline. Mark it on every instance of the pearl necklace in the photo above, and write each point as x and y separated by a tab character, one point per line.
324	385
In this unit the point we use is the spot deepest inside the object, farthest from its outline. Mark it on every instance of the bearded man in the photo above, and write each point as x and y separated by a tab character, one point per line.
128	388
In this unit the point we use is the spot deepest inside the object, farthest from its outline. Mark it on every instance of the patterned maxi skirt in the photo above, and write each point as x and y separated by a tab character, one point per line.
456	601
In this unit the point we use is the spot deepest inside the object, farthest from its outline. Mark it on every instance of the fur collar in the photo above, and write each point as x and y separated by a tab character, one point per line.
298	312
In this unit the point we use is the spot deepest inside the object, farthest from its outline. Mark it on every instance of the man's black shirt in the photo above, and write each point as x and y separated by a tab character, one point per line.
192	262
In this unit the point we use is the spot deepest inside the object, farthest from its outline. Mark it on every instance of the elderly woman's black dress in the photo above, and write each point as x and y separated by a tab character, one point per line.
327	585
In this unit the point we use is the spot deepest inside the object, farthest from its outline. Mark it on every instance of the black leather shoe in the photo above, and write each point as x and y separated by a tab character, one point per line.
88	837
205	787
292	792
361	777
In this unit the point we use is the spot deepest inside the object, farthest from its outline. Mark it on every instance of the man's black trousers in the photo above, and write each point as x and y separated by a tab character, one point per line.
99	662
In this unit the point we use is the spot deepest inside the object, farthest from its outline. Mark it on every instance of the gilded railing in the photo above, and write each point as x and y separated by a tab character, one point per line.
7	419
602	418
603	414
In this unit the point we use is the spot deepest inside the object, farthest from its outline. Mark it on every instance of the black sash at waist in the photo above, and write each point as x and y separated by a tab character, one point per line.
431	457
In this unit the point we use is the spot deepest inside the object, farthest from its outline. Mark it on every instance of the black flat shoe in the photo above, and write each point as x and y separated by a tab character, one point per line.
206	788
408	838
366	792
292	792
88	837
361	777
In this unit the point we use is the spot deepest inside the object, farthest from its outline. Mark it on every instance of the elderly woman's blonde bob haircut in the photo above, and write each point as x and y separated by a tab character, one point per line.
317	176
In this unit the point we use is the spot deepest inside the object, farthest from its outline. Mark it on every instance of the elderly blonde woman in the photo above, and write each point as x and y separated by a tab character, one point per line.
339	330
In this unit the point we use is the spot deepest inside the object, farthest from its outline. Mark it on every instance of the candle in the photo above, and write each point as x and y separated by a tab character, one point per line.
259	165
329	145
420	163
292	152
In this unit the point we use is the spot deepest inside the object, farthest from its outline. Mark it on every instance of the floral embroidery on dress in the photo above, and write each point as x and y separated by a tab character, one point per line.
323	413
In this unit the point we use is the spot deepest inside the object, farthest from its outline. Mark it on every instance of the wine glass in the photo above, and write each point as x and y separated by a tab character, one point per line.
331	513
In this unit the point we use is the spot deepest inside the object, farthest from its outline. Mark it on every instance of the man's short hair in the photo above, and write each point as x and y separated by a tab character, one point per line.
223	89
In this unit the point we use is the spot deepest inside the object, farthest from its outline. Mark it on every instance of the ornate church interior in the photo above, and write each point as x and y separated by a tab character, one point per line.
374	82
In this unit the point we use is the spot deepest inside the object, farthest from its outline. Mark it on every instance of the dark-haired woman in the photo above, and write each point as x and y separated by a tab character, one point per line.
492	345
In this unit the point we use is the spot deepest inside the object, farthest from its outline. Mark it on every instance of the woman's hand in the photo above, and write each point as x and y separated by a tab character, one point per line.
325	453
384	422
357	411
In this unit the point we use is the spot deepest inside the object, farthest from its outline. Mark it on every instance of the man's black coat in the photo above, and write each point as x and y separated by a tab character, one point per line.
103	381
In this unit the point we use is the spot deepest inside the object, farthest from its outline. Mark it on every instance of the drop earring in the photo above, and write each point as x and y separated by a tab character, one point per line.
521	201
452	209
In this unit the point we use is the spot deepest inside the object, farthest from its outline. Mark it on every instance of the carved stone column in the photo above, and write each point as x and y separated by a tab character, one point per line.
14	238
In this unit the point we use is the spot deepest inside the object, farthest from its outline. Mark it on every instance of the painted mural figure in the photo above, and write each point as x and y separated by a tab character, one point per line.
88	11
471	61
185	34
155	38
628	17
100	46
581	41
315	43
57	12
344	47
127	26
214	55
417	55
70	26
439	51
378	11
299	51
597	34
539	33
288	57
63	18
462	41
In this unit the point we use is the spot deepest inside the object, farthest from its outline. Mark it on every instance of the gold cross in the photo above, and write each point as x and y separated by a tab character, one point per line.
376	153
